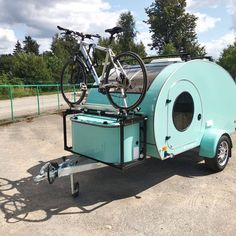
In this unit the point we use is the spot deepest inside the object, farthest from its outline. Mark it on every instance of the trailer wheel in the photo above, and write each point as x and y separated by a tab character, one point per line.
223	152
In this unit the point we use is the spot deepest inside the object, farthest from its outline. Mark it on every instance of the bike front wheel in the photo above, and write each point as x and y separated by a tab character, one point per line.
126	81
73	82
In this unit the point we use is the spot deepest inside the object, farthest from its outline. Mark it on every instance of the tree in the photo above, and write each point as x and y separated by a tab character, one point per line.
30	45
63	47
127	40
6	64
169	49
228	59
31	68
54	65
18	48
170	24
140	49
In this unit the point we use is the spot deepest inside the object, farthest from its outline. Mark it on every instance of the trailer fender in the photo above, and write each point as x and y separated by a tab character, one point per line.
210	140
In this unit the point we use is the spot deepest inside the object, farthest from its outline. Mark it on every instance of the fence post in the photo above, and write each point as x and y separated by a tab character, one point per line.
58	98
37	88
11	101
74	93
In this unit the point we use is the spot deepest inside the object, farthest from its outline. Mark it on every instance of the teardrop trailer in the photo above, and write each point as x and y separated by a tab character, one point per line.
188	104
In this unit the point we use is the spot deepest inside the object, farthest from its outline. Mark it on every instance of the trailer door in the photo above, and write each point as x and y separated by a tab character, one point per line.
184	116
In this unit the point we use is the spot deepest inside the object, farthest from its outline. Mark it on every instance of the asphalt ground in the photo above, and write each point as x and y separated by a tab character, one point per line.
174	197
26	106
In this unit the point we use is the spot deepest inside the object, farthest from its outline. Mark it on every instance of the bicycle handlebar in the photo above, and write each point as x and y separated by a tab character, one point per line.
83	36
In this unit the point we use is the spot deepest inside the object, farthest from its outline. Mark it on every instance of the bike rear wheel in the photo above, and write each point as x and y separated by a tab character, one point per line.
73	82
126	81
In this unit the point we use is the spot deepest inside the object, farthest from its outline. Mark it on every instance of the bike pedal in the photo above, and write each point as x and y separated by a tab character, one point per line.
102	90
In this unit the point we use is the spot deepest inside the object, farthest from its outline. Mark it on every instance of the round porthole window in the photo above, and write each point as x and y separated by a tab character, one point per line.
183	111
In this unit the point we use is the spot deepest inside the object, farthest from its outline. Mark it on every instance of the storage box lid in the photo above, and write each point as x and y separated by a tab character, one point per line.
95	120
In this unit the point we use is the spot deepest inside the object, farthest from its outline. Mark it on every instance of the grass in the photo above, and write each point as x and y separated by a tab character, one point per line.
24	92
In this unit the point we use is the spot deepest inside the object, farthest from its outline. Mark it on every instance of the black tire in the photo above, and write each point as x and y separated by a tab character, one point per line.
223	153
53	166
133	84
73	82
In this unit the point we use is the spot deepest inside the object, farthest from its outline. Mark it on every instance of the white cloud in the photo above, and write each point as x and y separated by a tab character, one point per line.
216	46
194	4
145	36
44	43
7	40
41	17
230	5
205	22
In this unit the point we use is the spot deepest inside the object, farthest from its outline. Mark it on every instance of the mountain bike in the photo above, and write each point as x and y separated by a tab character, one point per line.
123	78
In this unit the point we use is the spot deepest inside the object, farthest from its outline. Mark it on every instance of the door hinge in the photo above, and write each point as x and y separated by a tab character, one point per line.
168	137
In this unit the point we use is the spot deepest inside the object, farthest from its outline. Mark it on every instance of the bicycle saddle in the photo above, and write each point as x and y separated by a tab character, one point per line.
115	30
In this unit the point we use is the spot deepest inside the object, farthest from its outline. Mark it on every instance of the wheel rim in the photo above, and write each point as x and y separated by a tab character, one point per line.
223	153
130	77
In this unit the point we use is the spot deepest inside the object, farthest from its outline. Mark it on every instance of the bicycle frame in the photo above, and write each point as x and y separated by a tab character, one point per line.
115	78
109	57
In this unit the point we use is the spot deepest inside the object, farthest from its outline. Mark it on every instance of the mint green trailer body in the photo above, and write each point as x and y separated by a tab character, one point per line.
188	105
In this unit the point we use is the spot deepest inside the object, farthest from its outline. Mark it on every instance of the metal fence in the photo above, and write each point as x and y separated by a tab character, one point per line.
8	93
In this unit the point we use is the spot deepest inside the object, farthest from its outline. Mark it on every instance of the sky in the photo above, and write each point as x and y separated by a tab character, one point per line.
216	24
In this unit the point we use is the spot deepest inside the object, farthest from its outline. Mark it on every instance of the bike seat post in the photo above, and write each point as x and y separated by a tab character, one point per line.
113	31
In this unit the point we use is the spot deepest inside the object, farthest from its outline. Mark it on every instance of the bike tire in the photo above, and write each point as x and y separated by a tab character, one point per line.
136	75
73	76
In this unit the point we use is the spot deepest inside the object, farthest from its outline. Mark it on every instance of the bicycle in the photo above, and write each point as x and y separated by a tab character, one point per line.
123	78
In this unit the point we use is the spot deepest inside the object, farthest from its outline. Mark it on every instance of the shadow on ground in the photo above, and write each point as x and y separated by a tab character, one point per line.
23	200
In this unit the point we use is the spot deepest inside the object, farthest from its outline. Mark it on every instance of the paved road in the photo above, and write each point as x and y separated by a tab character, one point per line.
173	197
29	105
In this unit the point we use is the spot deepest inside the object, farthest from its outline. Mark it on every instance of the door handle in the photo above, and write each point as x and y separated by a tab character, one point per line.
199	117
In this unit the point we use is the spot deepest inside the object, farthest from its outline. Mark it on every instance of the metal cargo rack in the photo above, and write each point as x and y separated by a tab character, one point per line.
51	170
122	118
